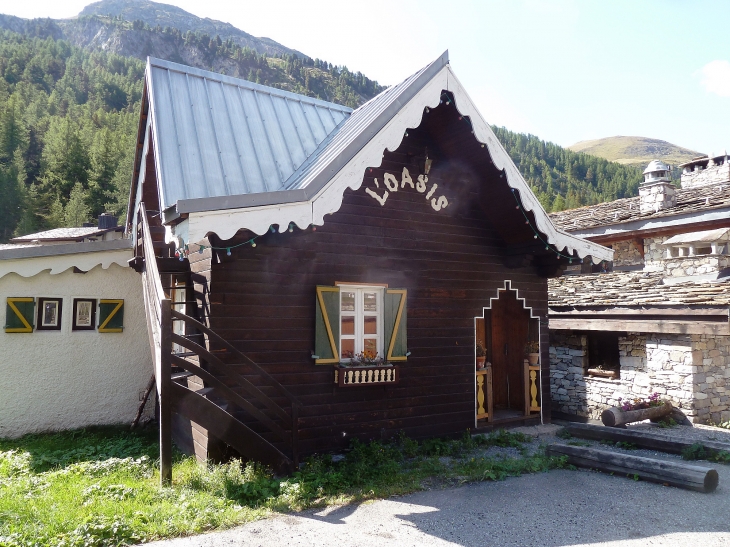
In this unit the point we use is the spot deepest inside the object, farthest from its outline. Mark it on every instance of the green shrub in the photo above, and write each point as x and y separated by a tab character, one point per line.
694	452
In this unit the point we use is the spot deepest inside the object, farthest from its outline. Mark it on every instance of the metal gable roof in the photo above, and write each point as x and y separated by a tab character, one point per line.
220	136
308	186
333	152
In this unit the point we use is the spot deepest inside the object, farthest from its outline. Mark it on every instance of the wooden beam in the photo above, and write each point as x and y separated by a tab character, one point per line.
679	474
638	325
719	311
658	232
643	439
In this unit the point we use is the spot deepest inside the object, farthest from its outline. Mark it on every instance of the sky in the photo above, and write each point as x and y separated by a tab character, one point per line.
564	70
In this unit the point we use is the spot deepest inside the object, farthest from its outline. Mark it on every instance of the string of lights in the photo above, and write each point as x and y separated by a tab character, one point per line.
534	230
184	252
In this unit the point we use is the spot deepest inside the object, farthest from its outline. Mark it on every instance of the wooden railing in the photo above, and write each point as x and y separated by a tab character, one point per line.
159	328
485	409
532	388
366	376
201	361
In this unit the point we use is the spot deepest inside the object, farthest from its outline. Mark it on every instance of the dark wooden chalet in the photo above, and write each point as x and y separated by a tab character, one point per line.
304	234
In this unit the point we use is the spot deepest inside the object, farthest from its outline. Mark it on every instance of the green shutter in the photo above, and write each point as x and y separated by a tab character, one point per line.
327	326
111	315
394	322
19	314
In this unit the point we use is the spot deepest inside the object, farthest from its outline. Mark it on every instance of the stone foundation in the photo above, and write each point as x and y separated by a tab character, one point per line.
688	370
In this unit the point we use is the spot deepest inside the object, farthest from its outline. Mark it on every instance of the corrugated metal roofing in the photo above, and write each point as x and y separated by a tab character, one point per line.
361	126
225	136
333	152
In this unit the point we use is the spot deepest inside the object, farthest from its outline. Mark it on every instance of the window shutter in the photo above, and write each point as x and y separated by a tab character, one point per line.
111	315
327	326
394	322
19	314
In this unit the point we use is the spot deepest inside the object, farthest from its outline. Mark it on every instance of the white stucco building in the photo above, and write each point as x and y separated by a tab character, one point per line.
65	371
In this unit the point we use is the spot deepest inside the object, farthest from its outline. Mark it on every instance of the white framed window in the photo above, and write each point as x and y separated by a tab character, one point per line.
361	320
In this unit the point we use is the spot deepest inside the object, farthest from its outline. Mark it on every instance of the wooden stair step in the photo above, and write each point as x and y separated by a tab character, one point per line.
176	376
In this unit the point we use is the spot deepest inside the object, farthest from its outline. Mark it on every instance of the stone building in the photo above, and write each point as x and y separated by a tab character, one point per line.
655	320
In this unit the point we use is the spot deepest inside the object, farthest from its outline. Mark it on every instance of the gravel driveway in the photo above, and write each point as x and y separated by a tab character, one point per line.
548	509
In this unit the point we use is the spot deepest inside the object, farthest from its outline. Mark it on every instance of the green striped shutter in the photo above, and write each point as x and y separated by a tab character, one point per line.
19	314
327	326
395	313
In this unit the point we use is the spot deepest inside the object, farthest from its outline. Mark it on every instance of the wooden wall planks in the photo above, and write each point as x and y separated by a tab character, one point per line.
451	261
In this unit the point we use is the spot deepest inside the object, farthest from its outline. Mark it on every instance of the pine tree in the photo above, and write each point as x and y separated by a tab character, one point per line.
76	211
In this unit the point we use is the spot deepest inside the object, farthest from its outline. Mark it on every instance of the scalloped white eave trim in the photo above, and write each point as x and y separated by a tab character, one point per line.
28	267
225	223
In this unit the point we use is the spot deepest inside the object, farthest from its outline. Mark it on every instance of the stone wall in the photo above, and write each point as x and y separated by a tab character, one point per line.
712	175
689	370
711	372
626	253
654	253
568	360
695	265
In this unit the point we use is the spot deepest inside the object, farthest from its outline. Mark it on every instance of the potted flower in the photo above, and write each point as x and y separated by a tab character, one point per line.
532	350
481	355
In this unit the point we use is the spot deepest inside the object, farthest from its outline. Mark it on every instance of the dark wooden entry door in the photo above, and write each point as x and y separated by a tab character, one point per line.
510	330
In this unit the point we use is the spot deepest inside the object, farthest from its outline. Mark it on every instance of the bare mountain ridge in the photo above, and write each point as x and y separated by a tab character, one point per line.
141	28
108	25
165	15
638	151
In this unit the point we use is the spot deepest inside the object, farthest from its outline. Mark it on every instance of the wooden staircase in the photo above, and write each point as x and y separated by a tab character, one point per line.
200	375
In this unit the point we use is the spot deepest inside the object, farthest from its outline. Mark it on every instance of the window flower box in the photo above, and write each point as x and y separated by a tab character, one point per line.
366	375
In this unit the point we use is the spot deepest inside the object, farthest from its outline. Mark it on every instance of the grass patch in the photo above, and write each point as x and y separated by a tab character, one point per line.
99	487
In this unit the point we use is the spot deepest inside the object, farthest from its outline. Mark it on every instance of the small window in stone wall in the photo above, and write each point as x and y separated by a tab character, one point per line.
603	355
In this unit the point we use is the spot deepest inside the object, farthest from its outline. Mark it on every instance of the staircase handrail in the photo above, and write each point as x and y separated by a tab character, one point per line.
159	328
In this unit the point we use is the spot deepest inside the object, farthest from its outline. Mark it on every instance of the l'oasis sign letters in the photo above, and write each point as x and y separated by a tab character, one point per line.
391	185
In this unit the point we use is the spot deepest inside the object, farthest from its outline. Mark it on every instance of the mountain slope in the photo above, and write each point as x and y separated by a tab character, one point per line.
262	60
563	179
165	15
638	151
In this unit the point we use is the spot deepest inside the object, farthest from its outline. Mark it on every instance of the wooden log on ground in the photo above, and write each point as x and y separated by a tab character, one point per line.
642	439
679	474
612	374
615	417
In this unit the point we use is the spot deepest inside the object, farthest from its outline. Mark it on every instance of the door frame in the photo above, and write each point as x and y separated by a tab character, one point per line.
508	288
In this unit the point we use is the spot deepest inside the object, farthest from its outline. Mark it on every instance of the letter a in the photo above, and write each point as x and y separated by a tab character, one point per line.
406	179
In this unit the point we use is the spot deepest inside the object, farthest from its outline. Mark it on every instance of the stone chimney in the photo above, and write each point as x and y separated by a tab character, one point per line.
657	191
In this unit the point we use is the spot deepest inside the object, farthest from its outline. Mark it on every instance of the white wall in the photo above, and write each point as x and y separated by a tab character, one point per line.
52	380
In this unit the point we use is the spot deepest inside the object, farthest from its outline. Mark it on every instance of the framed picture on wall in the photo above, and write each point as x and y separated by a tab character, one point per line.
84	314
49	313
